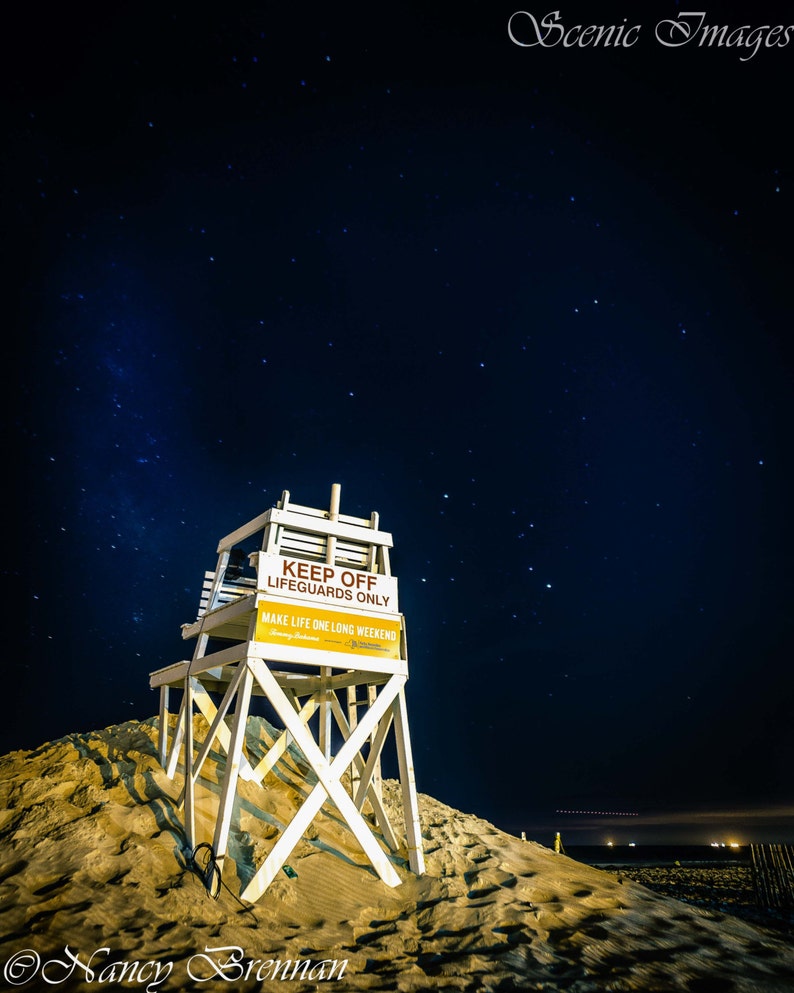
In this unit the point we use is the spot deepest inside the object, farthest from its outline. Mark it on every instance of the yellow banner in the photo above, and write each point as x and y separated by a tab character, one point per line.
327	630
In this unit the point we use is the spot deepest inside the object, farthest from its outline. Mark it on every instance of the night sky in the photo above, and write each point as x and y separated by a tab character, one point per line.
531	304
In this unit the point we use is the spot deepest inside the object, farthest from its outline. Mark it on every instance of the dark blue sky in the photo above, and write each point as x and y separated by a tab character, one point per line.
530	304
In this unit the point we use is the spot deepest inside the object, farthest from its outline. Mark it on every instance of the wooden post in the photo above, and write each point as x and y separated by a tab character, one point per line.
352	721
325	671
324	736
190	813
176	741
229	790
405	760
163	730
372	692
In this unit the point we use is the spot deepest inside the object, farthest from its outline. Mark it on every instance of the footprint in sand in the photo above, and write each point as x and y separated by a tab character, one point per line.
11	869
710	984
484	882
478	853
762	951
43	917
460	932
117	878
427	904
545	896
51	887
369	937
431	963
516	933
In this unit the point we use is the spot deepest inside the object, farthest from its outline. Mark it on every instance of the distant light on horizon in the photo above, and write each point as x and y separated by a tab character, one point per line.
600	813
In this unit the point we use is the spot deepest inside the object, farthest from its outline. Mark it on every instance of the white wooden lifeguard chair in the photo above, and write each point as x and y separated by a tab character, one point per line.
319	619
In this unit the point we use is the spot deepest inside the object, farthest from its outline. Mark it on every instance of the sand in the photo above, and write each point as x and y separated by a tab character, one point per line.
729	888
92	860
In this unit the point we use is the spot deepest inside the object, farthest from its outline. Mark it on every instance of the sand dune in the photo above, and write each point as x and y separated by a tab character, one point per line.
92	858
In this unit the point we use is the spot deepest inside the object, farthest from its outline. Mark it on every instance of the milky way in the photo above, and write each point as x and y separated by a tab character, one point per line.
531	306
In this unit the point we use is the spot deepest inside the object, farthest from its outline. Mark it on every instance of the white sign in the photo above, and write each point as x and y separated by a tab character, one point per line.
327	583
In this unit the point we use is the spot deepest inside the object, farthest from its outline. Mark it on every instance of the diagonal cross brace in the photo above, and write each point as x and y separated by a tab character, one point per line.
281	744
328	784
366	771
192	768
216	720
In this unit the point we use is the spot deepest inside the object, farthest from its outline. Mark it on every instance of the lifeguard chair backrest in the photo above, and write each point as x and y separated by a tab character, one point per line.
302	533
307	534
218	594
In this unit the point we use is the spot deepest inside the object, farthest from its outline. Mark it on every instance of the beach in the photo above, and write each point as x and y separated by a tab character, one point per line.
721	888
97	892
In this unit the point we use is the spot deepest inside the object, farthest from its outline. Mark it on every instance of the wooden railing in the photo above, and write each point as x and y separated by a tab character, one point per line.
225	593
